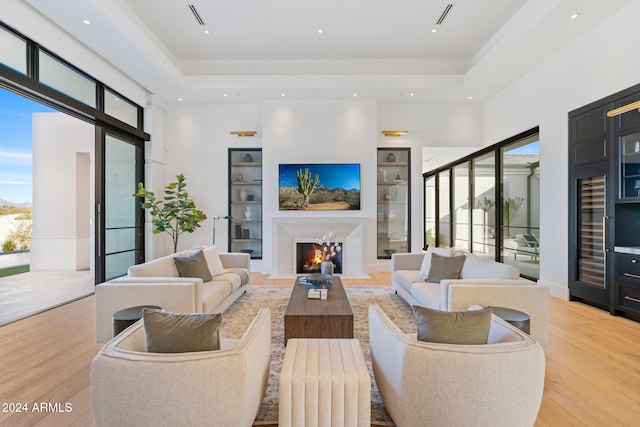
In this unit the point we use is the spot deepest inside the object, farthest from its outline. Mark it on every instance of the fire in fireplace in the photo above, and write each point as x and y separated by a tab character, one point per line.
310	255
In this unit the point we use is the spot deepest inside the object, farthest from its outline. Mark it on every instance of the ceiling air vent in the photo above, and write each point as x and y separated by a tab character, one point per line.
196	14
444	14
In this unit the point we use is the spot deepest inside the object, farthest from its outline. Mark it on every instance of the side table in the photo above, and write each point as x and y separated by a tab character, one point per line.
126	317
517	318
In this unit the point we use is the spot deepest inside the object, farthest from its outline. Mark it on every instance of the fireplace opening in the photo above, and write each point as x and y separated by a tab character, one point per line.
310	255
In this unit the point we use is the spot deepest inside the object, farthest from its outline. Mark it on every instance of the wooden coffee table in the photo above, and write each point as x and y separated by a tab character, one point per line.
317	318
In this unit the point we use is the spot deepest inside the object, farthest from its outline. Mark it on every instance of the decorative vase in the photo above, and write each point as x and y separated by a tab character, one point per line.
391	157
326	267
248	158
243	195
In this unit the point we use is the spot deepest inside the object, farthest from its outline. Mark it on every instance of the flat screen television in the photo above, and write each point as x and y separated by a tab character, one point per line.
319	187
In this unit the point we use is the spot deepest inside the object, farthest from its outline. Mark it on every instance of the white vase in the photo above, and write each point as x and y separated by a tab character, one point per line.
243	195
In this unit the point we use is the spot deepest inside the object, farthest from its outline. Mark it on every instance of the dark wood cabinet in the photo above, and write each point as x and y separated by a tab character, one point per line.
604	205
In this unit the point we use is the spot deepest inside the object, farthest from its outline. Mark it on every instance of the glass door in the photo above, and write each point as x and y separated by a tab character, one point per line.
119	217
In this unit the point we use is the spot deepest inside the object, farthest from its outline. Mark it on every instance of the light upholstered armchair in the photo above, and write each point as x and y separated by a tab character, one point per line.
130	387
429	384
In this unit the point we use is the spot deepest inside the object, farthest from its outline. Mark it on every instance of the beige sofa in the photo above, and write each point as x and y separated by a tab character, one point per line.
158	282
482	282
428	384
130	387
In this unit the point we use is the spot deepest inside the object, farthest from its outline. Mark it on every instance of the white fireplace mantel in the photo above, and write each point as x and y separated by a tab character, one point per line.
349	230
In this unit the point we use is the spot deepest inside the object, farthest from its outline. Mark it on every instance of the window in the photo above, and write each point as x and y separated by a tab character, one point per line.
65	79
118	107
13	51
472	215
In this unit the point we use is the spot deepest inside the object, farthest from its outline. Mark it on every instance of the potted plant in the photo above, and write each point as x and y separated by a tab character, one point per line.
176	213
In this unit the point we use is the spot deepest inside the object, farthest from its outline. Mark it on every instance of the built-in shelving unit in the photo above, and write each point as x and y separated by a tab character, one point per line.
245	201
393	195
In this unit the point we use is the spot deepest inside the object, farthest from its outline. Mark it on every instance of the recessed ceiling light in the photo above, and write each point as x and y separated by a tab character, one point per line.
86	22
435	30
320	31
412	94
179	99
283	95
206	31
574	16
355	94
224	94
470	97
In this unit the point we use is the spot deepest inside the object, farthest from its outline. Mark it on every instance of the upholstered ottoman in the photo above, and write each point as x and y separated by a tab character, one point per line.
323	383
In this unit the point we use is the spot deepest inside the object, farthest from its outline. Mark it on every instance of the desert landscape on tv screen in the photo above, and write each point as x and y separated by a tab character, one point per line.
320	187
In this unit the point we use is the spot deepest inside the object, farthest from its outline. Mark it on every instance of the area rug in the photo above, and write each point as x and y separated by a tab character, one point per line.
239	315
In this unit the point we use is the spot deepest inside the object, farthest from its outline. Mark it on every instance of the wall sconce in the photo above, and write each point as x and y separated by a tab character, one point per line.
243	132
394	132
624	109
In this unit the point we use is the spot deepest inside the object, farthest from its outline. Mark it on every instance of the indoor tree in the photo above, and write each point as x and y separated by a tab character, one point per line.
176	213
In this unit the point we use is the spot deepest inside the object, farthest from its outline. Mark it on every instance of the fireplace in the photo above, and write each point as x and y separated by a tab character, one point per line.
310	255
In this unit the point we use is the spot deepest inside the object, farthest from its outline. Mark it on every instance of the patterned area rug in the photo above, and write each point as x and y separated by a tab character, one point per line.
239	315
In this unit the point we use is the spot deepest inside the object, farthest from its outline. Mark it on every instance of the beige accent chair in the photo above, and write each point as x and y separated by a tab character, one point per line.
430	384
130	387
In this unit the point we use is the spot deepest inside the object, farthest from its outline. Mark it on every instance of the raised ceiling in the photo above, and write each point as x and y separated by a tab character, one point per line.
257	49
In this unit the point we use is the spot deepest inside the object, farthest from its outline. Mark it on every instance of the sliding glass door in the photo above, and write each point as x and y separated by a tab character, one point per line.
119	217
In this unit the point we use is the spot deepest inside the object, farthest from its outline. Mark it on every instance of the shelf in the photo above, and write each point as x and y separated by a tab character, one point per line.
245	177
402	182
393	203
246	165
392	164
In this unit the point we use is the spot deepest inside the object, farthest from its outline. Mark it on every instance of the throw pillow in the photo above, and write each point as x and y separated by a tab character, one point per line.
426	261
456	327
444	267
181	333
478	268
194	265
213	259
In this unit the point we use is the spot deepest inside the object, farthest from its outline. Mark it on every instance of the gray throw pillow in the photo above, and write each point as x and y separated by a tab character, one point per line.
194	265
181	333
445	267
456	327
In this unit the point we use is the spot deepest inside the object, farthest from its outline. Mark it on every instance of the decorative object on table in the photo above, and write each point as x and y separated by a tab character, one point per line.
317	294
248	214
214	225
243	195
319	280
246	234
176	213
326	267
250	197
329	249
247	158
391	157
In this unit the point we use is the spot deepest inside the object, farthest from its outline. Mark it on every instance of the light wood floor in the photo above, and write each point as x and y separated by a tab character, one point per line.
592	374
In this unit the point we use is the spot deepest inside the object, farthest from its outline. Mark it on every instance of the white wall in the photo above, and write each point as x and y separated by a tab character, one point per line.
318	131
196	140
591	68
63	171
